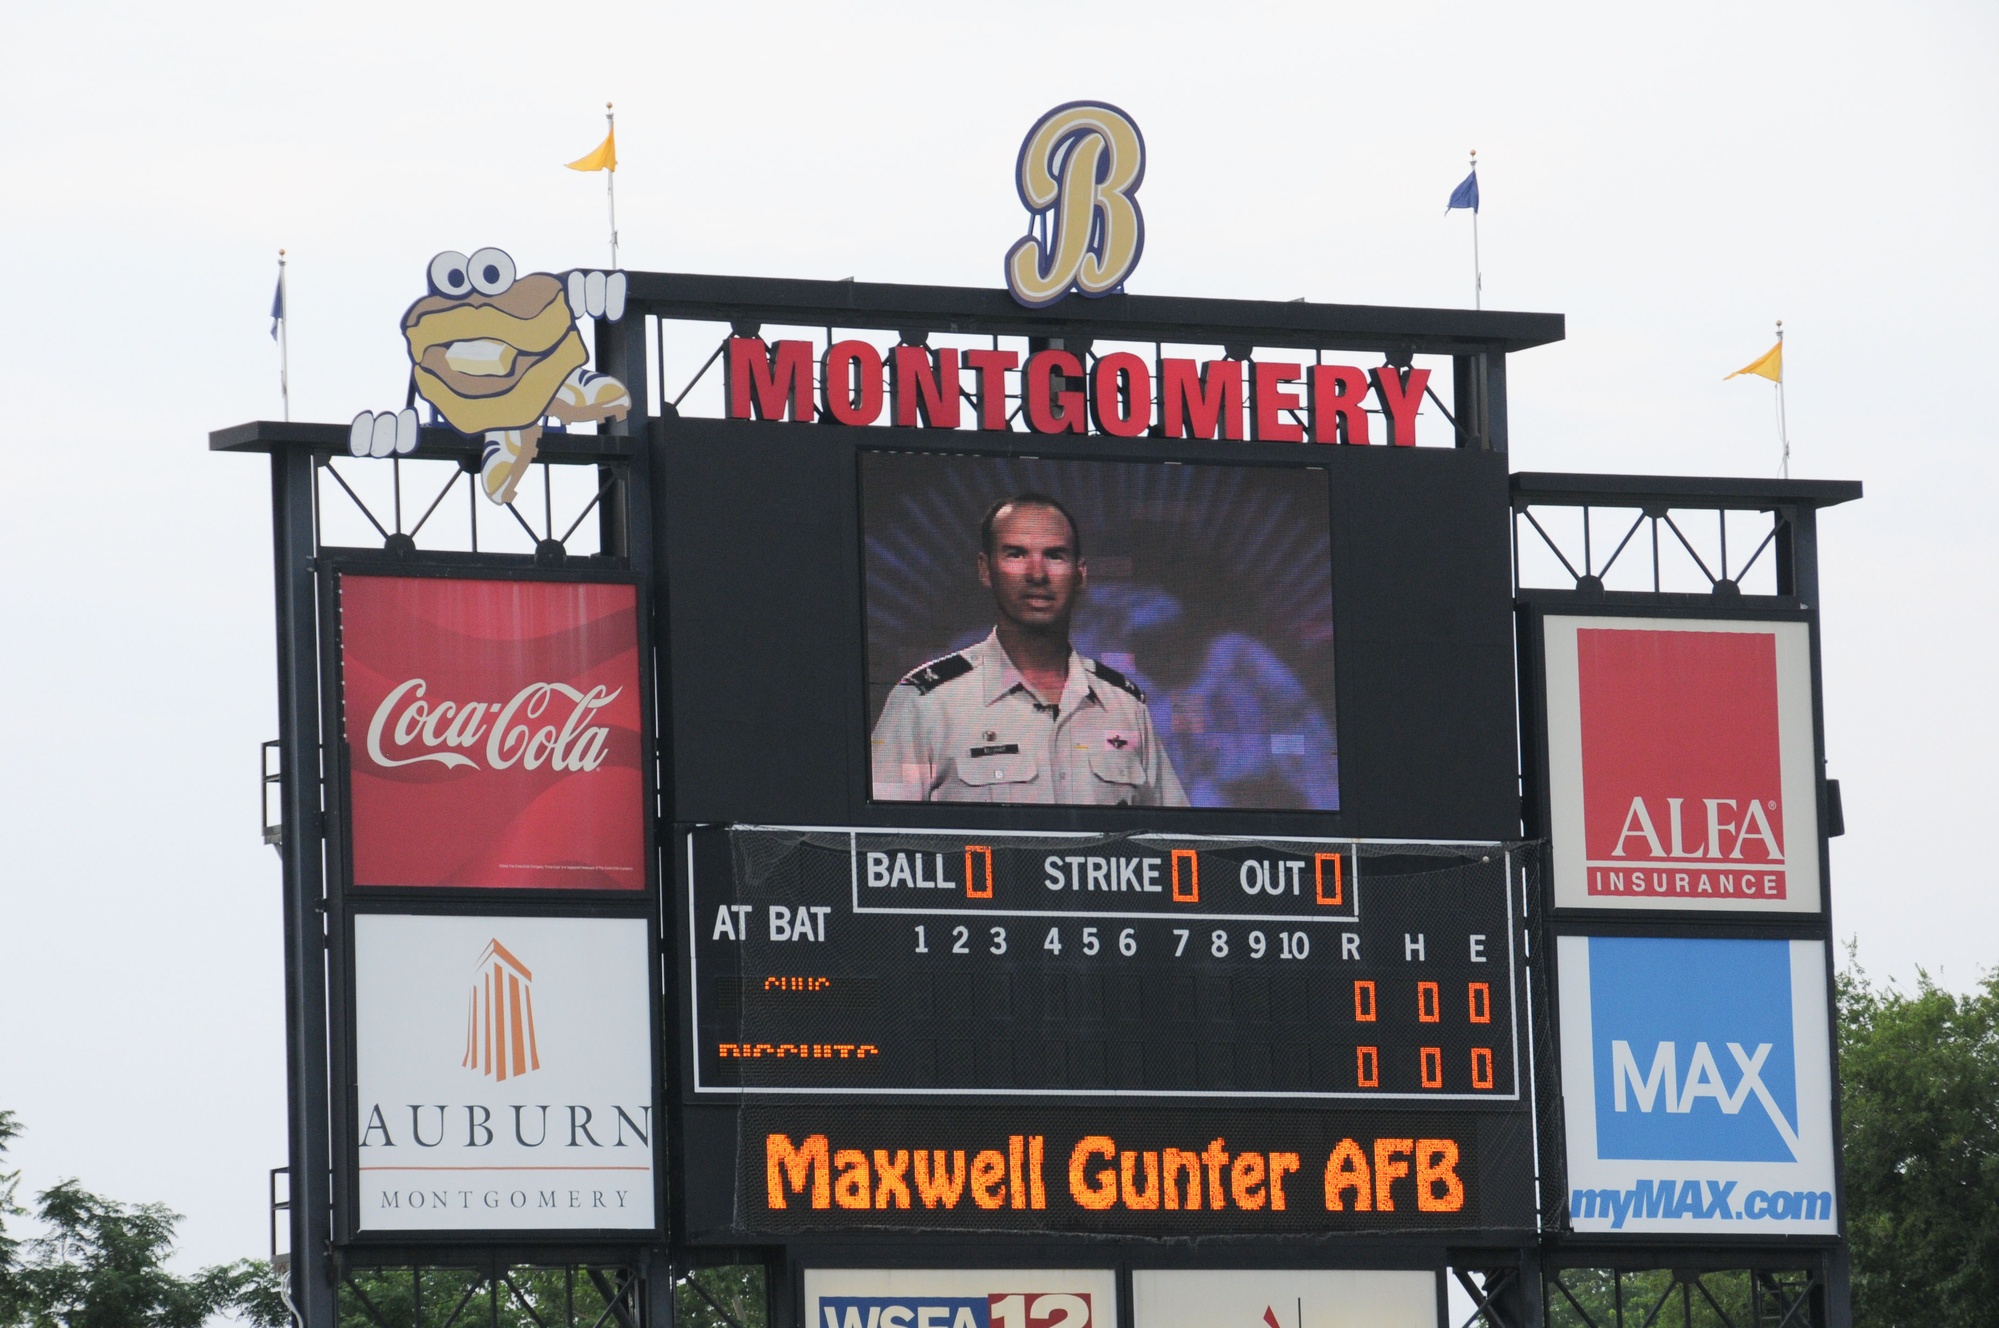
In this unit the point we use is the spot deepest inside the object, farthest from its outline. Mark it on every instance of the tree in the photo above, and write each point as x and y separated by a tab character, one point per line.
1920	1100
99	1263
10	1293
726	1296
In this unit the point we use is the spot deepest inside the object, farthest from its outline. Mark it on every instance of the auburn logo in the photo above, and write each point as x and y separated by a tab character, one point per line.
1079	167
499	1019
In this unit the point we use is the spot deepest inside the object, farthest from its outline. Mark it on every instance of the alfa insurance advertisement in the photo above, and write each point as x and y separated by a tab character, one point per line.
1682	766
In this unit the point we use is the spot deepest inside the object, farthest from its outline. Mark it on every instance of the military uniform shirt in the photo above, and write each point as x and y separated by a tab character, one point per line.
968	728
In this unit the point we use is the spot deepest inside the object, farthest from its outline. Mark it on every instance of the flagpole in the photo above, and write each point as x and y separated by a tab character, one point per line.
611	186
284	340
1477	272
1783	428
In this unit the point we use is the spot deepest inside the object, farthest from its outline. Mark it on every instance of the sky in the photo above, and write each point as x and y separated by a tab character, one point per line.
1673	178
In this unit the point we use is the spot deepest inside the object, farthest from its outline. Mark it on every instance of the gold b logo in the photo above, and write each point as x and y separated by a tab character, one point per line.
1078	169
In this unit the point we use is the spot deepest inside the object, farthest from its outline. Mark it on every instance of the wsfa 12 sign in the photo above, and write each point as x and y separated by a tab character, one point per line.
1016	1309
937	1298
1697	1085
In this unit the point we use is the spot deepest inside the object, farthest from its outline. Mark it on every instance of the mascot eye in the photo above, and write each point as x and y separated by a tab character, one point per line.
492	271
448	274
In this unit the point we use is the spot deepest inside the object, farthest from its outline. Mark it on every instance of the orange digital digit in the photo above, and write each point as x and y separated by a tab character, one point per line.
1481	1002
1338	896
1192	893
1433	1067
1367	1066
1427	1007
1363	1000
973	890
1481	1067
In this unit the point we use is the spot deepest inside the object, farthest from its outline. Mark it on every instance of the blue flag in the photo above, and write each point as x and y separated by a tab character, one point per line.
277	306
1466	194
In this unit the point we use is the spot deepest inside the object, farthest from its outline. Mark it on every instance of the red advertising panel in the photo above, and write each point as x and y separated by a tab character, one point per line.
1681	758
493	733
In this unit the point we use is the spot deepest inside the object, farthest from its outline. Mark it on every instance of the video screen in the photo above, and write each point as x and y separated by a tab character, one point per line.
1099	633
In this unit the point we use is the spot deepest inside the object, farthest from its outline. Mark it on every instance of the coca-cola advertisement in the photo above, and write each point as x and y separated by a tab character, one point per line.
1682	769
492	731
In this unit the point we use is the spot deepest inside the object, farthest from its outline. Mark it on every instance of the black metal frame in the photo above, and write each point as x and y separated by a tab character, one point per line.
620	1283
1792	541
309	780
626	505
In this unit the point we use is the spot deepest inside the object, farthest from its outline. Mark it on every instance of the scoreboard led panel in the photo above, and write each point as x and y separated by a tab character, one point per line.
867	962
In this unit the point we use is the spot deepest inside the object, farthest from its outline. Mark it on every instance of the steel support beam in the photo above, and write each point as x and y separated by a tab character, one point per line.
985	311
310	1142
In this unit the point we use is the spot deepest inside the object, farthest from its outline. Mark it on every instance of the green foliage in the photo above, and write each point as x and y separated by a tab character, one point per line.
723	1297
102	1264
728	1297
1920	1103
434	1297
1602	1298
10	1289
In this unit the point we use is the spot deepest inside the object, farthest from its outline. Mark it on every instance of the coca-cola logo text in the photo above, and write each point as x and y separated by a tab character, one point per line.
511	731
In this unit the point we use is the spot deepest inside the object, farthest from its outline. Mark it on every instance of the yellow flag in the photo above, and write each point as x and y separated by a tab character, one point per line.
605	158
1769	365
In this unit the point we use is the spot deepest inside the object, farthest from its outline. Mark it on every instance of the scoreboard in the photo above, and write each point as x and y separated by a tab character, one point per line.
937	842
1055	1032
1244	899
870	962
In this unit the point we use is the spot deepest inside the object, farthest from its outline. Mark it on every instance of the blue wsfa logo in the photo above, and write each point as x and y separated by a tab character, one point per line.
906	1312
1694	1050
1055	1309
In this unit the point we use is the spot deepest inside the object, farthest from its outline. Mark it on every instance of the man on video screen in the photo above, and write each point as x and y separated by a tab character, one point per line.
1021	717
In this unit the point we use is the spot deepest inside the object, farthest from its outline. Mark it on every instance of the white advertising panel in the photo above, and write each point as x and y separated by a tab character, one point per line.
1260	1298
1682	767
1697	1085
503	1073
961	1298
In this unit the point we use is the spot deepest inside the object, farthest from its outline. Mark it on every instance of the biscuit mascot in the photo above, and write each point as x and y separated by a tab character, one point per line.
499	354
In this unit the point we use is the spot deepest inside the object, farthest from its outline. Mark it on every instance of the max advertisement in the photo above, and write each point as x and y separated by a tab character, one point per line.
492	730
502	1074
1697	1085
1682	766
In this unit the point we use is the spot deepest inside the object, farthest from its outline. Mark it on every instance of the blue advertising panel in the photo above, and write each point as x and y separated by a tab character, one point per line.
1697	1085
